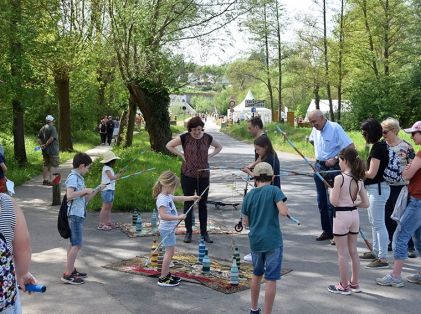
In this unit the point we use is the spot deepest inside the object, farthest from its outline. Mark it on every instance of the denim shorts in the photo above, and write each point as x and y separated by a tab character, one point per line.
268	263
170	237
76	230
107	196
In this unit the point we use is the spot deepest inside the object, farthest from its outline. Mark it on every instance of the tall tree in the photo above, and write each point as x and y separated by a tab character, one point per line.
16	56
326	61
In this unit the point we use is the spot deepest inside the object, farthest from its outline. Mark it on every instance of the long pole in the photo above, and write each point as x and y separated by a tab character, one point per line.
125	177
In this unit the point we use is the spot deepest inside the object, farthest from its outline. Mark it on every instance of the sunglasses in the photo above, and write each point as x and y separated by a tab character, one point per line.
385	131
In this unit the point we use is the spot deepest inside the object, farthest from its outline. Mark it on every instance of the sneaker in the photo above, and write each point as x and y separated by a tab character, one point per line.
247	258
167	281
414	278
79	274
388	280
377	263
355	287
175	278
258	311
72	279
324	236
339	289
367	255
411	253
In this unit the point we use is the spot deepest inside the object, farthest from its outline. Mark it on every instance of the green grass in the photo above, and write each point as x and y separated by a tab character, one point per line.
135	192
82	142
298	137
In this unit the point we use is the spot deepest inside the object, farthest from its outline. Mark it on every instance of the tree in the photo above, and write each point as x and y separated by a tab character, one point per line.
142	31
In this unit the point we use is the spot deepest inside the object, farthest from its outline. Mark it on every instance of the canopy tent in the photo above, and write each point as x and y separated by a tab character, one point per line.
241	112
324	107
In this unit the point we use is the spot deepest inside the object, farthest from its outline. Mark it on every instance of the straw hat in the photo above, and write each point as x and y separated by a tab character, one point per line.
108	156
263	169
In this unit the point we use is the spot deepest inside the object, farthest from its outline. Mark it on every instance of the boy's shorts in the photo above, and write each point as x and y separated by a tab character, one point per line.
107	196
268	263
76	230
170	240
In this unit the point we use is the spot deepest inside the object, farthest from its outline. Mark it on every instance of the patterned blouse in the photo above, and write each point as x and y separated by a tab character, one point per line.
195	155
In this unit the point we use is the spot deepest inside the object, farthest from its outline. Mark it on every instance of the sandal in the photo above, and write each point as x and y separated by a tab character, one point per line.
113	225
104	228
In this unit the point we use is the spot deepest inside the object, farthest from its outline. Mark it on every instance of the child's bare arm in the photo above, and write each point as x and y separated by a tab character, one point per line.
334	192
164	216
364	201
245	220
282	208
182	198
110	176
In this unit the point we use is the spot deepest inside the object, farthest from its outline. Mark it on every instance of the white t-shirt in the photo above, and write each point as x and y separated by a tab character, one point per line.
105	179
167	201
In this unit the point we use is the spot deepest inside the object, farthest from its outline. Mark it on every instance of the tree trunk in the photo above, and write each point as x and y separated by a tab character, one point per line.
370	39
154	106
386	43
61	80
130	121
316	94
278	33
16	74
329	94
340	60
123	127
267	65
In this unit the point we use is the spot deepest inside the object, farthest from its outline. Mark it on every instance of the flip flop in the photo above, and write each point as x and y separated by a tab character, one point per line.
104	228
113	225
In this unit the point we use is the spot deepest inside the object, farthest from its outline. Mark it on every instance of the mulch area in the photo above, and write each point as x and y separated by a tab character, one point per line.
187	267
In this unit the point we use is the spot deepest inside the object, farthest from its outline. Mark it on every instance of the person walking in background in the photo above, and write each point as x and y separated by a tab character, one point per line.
328	139
15	253
110	129
346	222
401	154
195	170
163	191
116	129
261	209
410	222
108	178
103	130
378	192
48	139
78	196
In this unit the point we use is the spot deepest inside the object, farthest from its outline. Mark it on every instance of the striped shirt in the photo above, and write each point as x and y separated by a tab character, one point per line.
7	219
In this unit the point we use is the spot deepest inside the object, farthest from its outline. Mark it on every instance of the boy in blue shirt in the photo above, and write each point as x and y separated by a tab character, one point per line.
78	197
261	209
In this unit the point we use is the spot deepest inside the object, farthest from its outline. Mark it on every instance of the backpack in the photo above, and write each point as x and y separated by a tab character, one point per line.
62	221
8	291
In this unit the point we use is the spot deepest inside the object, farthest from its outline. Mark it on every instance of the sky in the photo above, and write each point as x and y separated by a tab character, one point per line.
230	46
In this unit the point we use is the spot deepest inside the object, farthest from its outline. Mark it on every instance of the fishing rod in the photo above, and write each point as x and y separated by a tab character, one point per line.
367	243
124	177
175	227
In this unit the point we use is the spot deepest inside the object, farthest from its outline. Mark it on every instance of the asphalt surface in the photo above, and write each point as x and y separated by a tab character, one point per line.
304	290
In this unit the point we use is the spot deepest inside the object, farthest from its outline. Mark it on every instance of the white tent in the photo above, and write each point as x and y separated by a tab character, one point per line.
324	107
244	113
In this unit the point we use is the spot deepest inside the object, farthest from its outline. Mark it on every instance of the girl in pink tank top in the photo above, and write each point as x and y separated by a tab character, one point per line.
347	194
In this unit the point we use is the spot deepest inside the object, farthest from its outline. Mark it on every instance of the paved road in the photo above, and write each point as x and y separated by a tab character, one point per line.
302	291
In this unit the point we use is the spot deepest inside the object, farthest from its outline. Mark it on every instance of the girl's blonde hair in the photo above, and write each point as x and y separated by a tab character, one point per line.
167	178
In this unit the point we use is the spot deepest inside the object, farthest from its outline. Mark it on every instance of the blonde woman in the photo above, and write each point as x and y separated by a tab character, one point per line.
401	154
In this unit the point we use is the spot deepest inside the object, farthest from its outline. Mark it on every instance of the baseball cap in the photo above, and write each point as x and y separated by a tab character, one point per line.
49	118
415	128
263	169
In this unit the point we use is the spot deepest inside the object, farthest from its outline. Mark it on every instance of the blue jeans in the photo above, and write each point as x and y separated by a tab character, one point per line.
376	216
268	263
325	208
410	225
76	230
107	196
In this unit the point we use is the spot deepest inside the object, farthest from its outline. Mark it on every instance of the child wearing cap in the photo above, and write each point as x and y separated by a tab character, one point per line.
108	178
410	222
261	209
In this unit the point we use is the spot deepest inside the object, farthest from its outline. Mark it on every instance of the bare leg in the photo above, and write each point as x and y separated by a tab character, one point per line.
343	259
105	213
397	268
270	291
169	253
72	253
353	253
255	290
